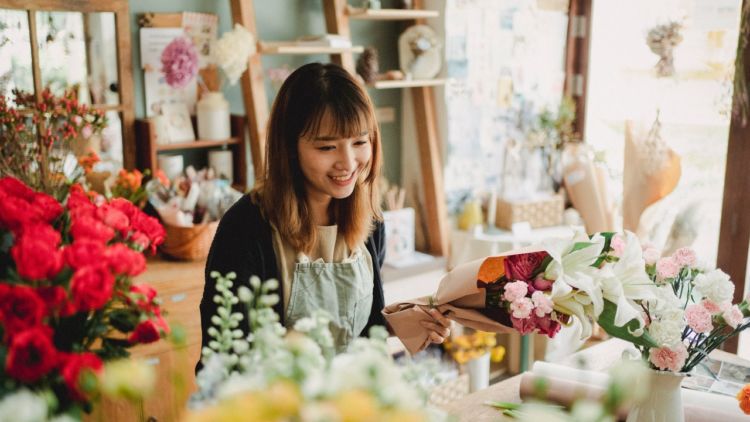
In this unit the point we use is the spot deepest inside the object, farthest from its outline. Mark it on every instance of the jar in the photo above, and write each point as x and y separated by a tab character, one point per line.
213	117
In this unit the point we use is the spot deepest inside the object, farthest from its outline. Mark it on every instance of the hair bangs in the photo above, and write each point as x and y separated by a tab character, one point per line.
351	117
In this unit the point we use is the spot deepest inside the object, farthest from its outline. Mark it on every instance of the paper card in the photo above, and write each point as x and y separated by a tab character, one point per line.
201	28
179	125
153	41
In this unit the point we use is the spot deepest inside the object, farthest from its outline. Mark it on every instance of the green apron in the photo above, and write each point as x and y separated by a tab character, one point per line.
342	289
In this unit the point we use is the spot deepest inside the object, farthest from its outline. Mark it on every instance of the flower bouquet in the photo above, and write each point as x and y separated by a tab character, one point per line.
584	279
274	375
67	300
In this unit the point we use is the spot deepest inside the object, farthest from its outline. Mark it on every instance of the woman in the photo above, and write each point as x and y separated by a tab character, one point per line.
314	221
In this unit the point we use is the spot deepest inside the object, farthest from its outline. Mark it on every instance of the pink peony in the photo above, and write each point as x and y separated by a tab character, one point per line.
698	318
515	291
667	268
179	62
685	257
542	304
522	308
617	245
651	255
541	283
733	316
668	359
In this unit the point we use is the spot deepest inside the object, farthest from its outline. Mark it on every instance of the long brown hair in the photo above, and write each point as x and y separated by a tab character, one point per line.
306	95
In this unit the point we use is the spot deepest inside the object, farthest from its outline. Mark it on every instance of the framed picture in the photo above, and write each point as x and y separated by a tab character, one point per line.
178	124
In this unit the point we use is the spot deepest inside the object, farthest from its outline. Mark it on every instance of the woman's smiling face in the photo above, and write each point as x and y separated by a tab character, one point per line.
332	165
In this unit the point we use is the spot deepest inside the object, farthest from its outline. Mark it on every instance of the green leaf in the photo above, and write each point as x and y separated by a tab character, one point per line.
607	322
123	320
503	405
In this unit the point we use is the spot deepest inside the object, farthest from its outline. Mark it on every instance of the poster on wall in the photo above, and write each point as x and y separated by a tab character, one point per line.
158	91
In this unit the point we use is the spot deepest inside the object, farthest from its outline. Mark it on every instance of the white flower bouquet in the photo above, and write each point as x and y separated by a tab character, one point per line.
275	374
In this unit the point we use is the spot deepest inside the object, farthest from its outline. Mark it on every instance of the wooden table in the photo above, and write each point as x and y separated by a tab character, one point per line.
596	358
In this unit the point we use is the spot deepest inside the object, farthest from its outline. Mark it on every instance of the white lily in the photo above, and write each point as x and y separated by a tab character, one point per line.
576	290
625	281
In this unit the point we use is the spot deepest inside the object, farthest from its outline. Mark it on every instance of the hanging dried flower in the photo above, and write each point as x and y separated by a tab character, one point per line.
662	39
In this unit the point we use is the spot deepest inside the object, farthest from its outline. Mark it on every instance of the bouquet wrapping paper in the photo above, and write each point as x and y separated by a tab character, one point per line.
566	384
458	298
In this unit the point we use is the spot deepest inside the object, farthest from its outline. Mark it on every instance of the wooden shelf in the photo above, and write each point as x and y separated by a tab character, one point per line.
196	144
390	14
408	83
291	47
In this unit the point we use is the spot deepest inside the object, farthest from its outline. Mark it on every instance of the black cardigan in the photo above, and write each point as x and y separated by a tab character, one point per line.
244	244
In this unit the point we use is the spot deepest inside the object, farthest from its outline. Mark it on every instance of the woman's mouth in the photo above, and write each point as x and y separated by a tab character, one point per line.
343	180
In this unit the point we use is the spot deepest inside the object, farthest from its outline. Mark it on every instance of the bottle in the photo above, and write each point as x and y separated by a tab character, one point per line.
213	117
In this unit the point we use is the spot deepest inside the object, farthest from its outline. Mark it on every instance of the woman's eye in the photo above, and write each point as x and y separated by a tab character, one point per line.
361	142
326	148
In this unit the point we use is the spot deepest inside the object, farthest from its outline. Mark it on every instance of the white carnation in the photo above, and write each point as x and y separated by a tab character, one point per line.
667	330
715	285
23	406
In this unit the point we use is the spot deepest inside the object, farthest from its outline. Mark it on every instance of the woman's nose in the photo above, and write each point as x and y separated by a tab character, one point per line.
346	159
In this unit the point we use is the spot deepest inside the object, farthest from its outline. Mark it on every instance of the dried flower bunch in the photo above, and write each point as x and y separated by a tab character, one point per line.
36	136
179	62
662	39
232	51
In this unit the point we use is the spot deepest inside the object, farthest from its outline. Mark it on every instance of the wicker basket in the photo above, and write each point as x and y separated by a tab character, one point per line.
189	243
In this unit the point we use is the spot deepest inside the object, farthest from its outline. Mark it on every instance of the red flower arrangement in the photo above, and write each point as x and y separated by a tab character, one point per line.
67	301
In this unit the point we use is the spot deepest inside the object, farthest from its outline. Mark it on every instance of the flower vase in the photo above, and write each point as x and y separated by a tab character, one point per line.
213	117
664	401
479	372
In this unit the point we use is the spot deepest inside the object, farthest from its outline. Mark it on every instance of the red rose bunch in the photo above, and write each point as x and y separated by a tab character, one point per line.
67	300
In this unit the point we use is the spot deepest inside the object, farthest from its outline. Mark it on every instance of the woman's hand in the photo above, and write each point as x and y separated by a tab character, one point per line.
439	328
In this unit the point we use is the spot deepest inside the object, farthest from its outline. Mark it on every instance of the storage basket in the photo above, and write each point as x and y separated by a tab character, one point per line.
538	213
189	243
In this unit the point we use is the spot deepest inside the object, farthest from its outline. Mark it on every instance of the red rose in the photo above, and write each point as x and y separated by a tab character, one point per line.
78	203
56	300
76	365
125	206
114	218
151	227
20	308
91	287
140	240
14	187
86	227
83	252
145	332
545	325
144	296
14	212
522	266
31	354
123	260
35	252
46	207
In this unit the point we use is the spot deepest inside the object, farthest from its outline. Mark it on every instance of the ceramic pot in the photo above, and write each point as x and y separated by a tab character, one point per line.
664	401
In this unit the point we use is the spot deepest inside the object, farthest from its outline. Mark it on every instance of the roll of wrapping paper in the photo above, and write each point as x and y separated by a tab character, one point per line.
564	385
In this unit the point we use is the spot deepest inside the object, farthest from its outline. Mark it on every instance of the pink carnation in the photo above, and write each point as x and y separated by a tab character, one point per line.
668	359
667	268
698	318
522	308
713	307
542	304
179	62
618	245
733	316
685	257
651	255
515	291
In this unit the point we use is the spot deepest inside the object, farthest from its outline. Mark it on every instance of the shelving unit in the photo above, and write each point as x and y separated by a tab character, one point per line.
389	14
148	149
290	47
337	15
410	83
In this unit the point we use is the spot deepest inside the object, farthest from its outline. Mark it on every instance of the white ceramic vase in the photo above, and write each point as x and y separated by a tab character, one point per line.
479	372
664	400
213	117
